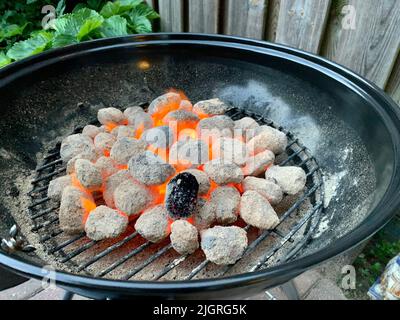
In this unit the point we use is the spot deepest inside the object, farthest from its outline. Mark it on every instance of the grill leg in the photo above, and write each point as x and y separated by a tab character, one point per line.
290	290
68	295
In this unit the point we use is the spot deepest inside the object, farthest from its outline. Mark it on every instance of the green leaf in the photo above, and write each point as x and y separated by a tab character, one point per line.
11	30
79	23
110	9
113	27
144	10
138	22
128	4
4	60
61	40
33	45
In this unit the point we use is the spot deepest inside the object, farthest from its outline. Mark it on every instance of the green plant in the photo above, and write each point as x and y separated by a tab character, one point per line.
89	20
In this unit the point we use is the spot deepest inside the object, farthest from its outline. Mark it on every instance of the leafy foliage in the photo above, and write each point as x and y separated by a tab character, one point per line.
21	33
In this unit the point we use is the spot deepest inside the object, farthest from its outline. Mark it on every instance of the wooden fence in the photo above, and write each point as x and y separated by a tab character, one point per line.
363	35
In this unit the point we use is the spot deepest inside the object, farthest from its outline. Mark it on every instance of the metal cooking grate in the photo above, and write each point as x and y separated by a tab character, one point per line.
45	217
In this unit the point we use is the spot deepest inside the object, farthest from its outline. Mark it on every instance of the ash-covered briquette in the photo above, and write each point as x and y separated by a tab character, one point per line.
131	111
256	211
292	180
106	165
104	141
57	186
88	174
153	224
186	105
267	138
184	237
202	179
211	107
267	188
189	152
169	99
227	202
217	126
74	145
72	210
105	223
159	137
150	169
181	195
124	131
141	121
132	198
181	115
126	148
245	126
258	164
224	245
110	115
91	131
205	214
112	183
223	172
230	150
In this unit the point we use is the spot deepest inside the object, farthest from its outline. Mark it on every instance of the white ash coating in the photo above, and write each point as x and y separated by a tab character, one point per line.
104	141
246	124
132	198
124	131
217	126
72	211
202	179
186	105
126	148
205	214
105	223
223	172
159	137
211	107
230	150
168	99
111	183
88	174
110	115
153	224
74	145
130	111
256	211
258	164
106	166
150	169
90	156
227	202
268	189
292	180
184	237
189	152
181	115
91	131
267	138
224	245
140	121
57	186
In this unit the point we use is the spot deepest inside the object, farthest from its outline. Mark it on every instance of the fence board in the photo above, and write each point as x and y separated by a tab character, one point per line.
203	16
171	12
245	18
371	48
301	23
150	3
393	87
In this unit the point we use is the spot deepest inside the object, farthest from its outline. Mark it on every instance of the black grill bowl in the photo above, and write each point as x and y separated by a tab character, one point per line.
331	110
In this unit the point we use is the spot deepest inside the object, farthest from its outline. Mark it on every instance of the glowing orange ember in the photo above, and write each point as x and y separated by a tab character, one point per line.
88	206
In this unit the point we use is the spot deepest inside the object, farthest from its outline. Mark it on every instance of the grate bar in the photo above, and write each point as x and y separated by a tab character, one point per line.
48	176
147	262
107	251
38	202
124	258
79	251
38	190
171	266
49	165
66	243
44	224
43	212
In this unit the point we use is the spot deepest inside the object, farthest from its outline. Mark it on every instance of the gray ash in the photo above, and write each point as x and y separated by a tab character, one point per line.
181	196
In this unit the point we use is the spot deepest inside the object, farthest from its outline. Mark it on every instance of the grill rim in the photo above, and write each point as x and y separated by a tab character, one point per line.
386	208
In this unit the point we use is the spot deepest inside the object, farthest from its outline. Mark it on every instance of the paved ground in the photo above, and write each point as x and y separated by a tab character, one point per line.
320	283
